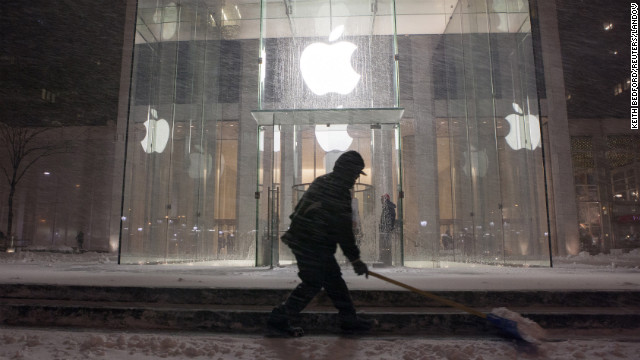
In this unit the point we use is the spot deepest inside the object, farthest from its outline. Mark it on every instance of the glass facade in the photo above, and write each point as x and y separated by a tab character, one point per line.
491	179
328	84
231	117
180	192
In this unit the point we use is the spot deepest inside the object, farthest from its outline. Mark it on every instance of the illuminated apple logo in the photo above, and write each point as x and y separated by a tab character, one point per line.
334	140
199	163
334	137
518	138
168	21
477	163
157	134
327	67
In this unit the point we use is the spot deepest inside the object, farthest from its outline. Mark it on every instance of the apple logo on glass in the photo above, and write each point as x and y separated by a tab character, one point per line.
157	134
477	163
199	163
327	68
518	138
167	19
334	140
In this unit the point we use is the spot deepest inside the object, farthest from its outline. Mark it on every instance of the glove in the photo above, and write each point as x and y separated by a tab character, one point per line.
360	268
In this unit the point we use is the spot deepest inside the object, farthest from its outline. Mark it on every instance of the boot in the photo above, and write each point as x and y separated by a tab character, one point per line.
353	323
278	324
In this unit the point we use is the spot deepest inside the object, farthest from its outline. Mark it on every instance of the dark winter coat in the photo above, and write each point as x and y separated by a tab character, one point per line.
322	218
388	216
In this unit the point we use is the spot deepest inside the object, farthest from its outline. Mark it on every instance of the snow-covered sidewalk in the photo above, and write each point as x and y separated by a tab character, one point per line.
37	344
582	272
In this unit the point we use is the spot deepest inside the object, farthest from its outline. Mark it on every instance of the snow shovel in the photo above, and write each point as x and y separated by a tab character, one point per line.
510	327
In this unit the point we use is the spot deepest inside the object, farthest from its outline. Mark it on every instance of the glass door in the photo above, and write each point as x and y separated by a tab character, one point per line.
296	147
328	81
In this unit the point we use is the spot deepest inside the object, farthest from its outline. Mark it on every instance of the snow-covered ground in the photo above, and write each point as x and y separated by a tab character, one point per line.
581	272
620	271
81	345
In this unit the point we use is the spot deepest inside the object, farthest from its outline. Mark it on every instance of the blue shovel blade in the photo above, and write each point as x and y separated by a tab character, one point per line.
510	327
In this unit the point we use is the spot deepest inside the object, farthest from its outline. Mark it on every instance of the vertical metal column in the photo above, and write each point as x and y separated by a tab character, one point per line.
273	224
382	172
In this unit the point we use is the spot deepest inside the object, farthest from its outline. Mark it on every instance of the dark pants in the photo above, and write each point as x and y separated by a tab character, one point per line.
317	270
385	248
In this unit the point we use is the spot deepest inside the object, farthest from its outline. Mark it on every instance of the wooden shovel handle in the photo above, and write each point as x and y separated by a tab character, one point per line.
430	295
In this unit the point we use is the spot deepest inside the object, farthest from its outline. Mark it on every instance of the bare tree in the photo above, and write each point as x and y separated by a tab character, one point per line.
25	146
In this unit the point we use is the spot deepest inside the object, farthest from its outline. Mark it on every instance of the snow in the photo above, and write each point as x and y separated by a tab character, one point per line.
66	344
528	329
599	272
581	272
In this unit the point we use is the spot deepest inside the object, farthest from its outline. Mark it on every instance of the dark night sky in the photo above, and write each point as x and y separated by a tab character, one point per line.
70	47
592	68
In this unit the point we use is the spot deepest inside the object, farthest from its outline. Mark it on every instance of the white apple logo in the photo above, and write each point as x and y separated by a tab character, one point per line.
157	134
199	163
517	138
334	137
477	163
327	68
167	18
334	140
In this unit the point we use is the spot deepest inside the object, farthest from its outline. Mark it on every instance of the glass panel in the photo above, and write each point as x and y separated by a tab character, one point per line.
181	161
493	211
328	54
292	156
470	135
328	74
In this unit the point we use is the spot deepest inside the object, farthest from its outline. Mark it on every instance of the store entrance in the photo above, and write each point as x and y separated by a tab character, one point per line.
297	146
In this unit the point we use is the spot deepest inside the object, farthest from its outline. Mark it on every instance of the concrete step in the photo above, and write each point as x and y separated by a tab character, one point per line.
362	298
246	310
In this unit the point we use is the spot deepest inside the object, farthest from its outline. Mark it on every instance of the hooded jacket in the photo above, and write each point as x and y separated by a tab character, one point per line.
322	219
